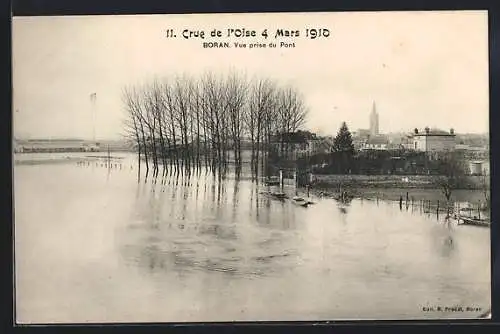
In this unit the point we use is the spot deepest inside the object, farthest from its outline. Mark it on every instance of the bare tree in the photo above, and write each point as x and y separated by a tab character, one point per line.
452	174
211	107
236	97
151	123
170	112
136	111
260	101
180	121
485	188
158	109
291	113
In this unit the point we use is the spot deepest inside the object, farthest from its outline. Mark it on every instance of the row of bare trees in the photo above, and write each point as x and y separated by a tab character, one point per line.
193	122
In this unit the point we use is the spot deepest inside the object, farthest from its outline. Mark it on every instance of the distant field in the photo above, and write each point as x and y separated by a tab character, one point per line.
70	145
388	181
421	194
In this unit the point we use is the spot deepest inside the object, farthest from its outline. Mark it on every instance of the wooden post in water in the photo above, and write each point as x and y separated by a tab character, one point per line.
437	209
479	210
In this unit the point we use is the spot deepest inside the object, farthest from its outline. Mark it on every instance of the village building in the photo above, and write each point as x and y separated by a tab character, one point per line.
319	146
299	144
379	142
433	140
289	145
361	134
473	152
399	141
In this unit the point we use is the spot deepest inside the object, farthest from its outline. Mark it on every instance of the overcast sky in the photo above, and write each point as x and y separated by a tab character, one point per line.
421	68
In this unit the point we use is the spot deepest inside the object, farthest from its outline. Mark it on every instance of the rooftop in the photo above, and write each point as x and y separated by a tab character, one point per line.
376	140
433	132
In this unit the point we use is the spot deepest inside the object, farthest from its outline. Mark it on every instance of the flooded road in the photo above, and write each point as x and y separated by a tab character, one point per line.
94	245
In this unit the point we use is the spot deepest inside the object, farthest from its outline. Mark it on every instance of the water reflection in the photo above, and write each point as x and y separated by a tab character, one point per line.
212	239
343	204
234	253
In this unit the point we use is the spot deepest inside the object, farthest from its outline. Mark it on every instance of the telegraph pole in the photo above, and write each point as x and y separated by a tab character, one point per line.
93	98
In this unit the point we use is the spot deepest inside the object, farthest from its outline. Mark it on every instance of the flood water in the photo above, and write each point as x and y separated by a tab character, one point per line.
94	245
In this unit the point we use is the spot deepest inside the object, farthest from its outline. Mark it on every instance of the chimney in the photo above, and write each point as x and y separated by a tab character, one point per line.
452	131
427	129
416	131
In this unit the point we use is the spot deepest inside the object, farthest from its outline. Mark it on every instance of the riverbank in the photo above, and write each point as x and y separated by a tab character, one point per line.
390	181
394	194
58	158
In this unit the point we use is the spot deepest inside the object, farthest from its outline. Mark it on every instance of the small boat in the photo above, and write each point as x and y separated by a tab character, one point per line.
272	181
473	221
300	201
278	195
275	195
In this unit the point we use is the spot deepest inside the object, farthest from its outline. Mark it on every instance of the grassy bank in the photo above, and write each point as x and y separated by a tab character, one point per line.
391	181
394	193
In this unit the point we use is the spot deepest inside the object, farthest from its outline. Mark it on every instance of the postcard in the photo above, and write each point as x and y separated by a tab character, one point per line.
251	167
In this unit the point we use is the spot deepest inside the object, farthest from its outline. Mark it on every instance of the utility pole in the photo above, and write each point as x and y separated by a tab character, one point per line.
93	98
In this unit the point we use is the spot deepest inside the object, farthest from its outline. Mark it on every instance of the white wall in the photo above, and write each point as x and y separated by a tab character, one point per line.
440	143
433	143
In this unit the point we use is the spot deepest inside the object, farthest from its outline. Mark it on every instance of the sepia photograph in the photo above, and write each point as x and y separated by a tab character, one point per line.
323	166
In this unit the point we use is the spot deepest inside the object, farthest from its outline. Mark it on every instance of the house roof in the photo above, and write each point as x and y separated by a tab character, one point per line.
325	144
470	148
433	132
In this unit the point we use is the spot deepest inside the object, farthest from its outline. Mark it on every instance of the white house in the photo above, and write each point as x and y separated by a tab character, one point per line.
479	167
376	143
433	140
